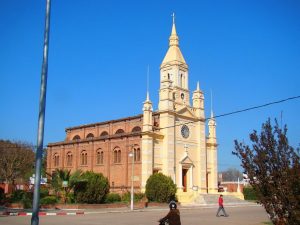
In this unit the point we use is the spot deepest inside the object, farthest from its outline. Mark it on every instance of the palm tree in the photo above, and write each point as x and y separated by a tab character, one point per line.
63	182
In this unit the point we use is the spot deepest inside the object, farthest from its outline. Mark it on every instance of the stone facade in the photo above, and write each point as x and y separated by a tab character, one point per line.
171	140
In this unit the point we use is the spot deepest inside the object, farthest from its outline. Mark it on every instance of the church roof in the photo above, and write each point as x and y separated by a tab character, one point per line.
104	122
174	54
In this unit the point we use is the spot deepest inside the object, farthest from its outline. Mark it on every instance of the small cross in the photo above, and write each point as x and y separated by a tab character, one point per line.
173	15
186	148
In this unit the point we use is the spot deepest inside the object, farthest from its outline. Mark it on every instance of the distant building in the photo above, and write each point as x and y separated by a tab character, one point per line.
171	140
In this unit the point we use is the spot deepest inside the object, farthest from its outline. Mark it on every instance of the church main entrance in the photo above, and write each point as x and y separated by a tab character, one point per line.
184	179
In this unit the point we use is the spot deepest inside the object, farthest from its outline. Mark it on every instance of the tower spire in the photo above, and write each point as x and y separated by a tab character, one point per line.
175	69
147	98
211	105
174	54
173	40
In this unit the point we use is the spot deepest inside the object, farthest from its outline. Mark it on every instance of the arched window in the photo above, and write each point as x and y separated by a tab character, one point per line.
120	131
83	158
181	80
100	156
76	137
117	155
56	159
136	129
104	133
69	159
90	135
137	154
156	122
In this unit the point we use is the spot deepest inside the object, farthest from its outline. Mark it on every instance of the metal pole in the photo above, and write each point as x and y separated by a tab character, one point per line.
131	203
41	120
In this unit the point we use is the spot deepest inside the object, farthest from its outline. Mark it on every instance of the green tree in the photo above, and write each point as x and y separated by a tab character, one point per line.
92	188
273	167
160	188
16	160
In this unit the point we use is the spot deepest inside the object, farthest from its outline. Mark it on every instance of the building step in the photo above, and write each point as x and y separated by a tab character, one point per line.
212	199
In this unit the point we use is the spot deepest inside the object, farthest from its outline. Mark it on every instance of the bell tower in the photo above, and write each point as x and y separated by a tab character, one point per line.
182	150
174	88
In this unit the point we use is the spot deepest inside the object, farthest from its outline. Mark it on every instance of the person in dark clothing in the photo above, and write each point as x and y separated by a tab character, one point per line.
221	207
173	216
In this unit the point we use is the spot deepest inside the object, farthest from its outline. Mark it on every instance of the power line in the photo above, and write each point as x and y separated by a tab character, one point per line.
221	115
230	113
236	112
259	106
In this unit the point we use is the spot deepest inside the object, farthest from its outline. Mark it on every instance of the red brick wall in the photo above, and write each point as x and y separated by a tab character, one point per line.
119	174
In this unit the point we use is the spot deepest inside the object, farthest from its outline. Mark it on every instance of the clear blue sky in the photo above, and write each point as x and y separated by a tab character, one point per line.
246	52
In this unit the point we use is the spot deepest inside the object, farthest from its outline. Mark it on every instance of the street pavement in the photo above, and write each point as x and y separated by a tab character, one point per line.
250	214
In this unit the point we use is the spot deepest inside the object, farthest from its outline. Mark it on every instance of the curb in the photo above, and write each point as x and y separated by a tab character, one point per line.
42	213
186	207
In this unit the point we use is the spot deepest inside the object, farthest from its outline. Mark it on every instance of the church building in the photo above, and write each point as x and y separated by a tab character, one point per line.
171	140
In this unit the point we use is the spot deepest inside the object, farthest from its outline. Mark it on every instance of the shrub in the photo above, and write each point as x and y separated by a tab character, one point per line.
44	192
71	198
138	196
48	200
22	197
249	193
112	197
126	197
17	196
92	188
160	188
27	200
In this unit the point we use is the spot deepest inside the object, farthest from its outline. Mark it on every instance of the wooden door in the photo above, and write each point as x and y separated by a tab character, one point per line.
184	179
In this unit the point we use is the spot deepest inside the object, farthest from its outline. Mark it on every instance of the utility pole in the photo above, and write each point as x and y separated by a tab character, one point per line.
131	154
41	121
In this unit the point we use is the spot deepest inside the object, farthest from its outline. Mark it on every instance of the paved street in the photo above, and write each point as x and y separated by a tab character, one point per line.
238	215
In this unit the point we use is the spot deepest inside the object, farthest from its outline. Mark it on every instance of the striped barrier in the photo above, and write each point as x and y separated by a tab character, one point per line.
42	213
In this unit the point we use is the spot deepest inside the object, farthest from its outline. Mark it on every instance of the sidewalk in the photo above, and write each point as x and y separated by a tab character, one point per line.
72	212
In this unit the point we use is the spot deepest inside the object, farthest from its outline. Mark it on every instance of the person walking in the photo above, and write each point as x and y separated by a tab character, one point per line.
221	207
173	216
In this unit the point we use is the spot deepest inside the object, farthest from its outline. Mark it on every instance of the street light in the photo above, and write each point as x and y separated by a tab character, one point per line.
41	121
131	154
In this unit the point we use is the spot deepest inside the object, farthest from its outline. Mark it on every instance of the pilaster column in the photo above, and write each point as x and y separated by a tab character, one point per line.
180	176
191	177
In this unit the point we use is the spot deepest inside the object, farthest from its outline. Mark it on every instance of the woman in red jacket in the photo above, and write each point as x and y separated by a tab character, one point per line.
221	206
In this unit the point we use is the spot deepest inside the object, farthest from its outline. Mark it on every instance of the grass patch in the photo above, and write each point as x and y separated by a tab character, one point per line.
268	223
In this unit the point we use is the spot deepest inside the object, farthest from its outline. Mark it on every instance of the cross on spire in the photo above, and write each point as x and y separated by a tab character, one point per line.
211	104
148	79
173	15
